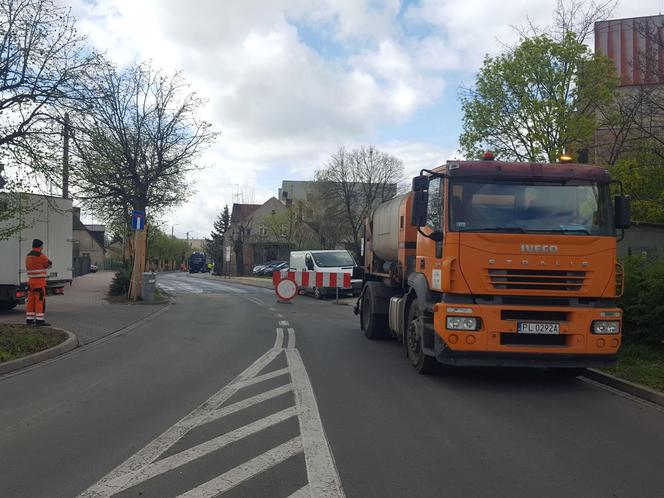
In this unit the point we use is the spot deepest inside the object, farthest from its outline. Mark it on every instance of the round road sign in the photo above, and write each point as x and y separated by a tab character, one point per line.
286	289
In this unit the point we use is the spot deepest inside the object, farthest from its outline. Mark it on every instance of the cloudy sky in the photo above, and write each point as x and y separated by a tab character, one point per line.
290	81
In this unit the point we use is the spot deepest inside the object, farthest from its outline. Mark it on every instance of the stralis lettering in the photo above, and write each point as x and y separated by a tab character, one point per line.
538	248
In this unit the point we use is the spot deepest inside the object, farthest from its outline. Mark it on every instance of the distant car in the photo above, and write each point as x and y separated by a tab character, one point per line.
93	268
274	266
258	269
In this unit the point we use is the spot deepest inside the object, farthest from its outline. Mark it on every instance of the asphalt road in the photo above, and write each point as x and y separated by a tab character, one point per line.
227	392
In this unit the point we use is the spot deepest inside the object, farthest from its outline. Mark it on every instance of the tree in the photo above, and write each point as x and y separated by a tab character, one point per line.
138	141
44	65
214	246
536	100
352	184
165	250
287	226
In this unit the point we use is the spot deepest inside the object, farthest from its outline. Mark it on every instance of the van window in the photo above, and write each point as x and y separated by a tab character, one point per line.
332	259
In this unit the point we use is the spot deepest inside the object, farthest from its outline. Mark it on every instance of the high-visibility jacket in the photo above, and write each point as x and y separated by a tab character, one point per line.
37	265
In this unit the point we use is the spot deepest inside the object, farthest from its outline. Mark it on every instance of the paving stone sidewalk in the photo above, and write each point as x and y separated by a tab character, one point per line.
84	310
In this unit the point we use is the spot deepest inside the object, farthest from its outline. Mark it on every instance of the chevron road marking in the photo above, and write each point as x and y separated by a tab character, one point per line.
323	477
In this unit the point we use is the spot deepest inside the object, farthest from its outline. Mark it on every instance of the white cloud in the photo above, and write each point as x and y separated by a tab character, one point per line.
283	102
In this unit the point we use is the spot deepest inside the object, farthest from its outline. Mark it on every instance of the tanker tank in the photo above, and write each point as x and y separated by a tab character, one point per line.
385	230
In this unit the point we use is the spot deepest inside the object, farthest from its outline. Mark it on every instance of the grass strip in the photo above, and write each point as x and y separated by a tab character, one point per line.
17	341
641	363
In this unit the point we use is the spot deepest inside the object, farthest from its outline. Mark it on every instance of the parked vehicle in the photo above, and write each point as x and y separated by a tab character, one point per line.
258	269
490	263
326	261
198	263
269	268
46	218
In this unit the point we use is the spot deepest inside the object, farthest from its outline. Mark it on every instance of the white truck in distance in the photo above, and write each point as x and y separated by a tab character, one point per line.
326	261
42	217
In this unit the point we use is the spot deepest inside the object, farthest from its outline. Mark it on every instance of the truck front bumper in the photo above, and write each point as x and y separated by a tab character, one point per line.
447	356
498	341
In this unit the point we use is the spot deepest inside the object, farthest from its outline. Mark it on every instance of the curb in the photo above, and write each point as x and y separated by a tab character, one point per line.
626	386
64	347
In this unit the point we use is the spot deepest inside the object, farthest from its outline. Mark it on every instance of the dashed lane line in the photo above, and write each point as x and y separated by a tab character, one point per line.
291	338
246	471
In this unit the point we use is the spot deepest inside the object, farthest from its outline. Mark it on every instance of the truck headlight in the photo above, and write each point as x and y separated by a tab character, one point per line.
461	323
606	327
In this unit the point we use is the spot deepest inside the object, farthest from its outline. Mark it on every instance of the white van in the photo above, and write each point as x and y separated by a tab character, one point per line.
330	261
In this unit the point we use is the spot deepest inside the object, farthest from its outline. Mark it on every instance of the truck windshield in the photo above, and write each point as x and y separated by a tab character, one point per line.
506	207
332	259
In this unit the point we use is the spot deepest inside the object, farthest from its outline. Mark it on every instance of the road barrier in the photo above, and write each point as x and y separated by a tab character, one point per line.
338	280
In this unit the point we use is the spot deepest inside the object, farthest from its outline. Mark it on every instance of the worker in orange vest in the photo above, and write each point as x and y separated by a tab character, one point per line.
36	263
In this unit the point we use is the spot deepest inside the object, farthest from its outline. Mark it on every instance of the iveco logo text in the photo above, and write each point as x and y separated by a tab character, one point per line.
538	248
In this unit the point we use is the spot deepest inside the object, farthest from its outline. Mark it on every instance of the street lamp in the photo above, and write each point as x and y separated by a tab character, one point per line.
172	233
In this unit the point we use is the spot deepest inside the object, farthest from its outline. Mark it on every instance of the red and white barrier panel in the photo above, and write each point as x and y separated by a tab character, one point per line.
340	280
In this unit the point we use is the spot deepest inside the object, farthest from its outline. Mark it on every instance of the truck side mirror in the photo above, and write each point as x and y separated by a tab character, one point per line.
420	183
623	211
418	216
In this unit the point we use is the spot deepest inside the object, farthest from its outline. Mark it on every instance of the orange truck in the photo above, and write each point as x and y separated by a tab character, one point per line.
490	263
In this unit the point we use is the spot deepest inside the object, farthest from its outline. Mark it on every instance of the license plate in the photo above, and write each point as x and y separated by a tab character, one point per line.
539	328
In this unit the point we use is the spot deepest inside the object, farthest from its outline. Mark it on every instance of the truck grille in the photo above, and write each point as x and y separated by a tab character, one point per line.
536	280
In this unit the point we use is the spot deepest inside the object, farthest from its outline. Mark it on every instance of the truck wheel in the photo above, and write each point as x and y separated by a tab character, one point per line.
414	341
373	324
317	293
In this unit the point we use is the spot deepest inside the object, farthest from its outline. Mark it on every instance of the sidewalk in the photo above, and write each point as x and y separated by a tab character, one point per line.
84	310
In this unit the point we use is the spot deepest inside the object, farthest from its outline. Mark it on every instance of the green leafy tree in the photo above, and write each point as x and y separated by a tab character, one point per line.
44	67
214	246
163	250
287	226
536	100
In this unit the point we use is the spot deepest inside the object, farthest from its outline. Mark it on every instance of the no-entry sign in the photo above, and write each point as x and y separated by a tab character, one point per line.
286	289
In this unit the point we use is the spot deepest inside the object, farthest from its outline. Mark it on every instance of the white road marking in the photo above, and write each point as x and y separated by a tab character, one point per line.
169	463
322	471
261	378
246	403
284	323
279	315
303	492
155	448
272	309
278	342
255	300
246	471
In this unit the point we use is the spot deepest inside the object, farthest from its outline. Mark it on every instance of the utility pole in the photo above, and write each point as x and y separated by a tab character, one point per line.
65	158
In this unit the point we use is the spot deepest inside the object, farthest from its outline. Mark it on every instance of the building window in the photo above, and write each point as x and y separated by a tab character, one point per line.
262	230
